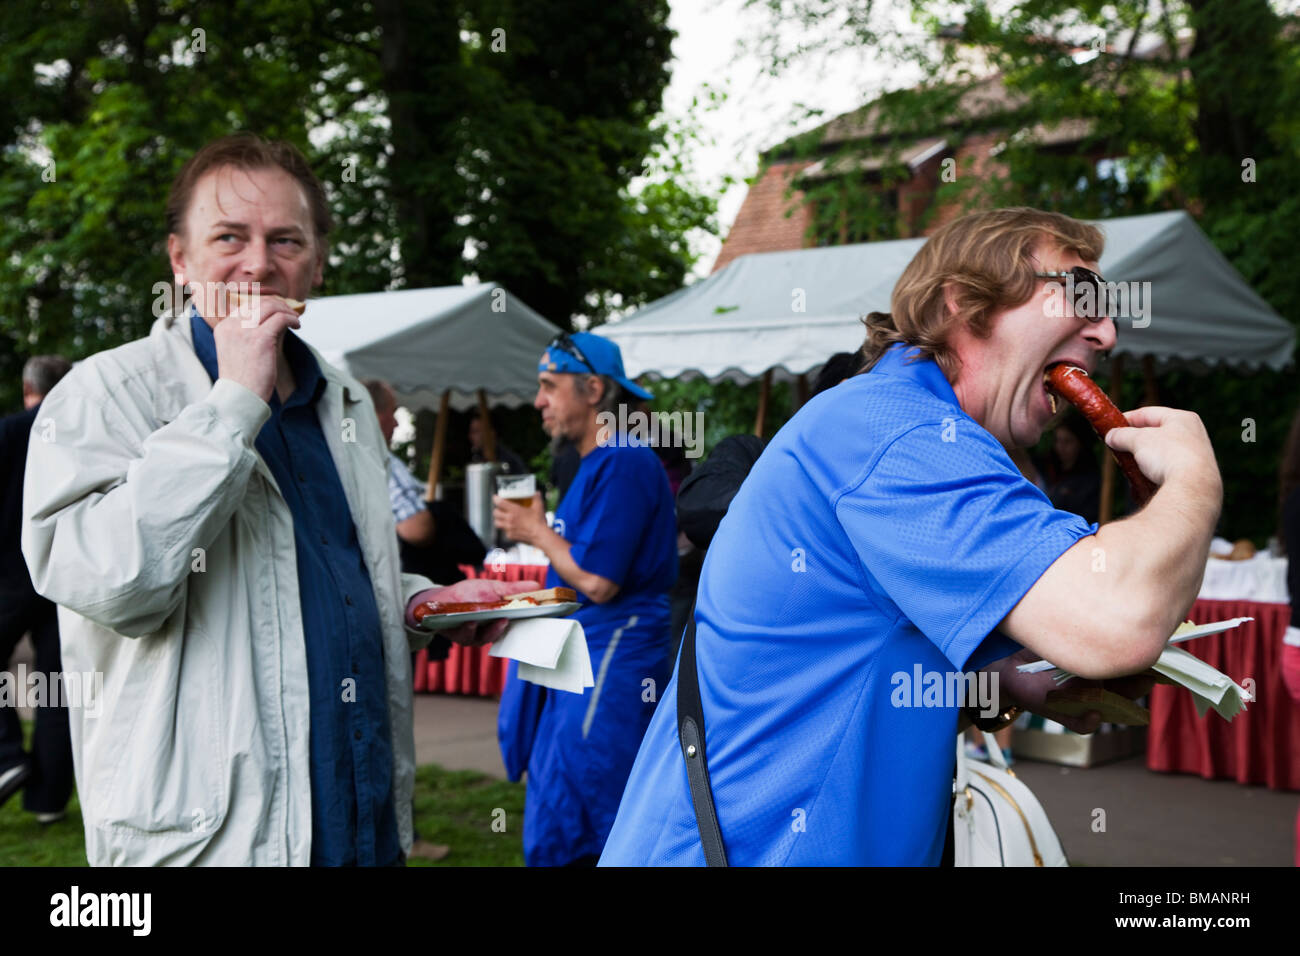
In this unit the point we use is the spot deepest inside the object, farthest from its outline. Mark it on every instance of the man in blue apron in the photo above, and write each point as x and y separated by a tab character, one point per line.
614	541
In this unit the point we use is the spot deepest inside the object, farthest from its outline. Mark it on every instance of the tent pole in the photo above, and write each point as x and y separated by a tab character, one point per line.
764	390
488	434
1107	508
439	446
1150	394
801	390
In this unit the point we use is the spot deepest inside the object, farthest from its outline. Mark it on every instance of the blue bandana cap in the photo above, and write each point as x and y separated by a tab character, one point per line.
603	357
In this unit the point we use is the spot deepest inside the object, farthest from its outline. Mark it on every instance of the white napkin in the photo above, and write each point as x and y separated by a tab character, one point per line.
1209	687
551	652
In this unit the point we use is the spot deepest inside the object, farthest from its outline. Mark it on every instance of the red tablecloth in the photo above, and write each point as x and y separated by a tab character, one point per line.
1260	746
469	670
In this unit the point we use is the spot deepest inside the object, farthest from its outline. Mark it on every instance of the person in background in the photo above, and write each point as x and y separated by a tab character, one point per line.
434	540
1073	477
45	775
614	542
415	524
510	460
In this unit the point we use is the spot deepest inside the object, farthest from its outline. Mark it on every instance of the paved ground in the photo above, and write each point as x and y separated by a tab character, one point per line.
1157	819
458	733
1151	819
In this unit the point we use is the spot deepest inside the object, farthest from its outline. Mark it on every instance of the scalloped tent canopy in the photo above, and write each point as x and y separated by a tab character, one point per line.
790	311
424	341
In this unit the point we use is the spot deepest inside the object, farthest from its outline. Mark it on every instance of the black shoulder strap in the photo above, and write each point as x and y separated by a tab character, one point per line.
690	732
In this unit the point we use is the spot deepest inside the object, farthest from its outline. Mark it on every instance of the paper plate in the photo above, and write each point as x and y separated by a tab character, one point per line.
444	622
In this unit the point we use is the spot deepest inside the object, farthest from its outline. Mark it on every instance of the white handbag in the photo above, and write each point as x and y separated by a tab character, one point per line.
997	820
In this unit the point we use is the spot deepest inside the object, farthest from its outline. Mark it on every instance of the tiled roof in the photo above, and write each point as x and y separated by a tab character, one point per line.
762	224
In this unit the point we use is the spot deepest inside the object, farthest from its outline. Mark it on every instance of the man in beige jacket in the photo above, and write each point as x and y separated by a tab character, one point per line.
209	509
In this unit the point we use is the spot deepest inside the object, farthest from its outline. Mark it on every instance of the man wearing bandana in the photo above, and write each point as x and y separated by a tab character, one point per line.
614	540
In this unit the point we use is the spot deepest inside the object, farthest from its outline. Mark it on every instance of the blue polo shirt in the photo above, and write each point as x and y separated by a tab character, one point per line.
353	821
875	546
618	518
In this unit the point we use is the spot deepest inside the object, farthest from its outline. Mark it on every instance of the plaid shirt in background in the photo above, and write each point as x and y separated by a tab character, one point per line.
405	494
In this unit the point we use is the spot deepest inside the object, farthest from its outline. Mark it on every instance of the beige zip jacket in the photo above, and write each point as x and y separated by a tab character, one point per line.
155	525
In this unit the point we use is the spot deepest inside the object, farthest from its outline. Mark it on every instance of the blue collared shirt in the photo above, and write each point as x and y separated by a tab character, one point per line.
353	821
861	569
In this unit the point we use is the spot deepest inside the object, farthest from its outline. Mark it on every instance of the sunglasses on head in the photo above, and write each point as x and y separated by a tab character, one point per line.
1082	279
566	344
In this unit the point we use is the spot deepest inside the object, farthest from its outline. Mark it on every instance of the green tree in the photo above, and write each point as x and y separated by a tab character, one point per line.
487	138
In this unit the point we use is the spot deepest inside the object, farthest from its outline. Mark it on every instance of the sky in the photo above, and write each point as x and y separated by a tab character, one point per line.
758	110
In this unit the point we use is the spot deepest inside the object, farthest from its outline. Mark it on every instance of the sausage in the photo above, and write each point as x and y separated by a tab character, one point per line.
455	607
293	304
546	596
1073	384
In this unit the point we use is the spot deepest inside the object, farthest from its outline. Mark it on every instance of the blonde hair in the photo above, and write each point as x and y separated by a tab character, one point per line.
985	258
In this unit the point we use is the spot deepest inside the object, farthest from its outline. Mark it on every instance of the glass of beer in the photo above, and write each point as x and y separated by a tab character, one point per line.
517	489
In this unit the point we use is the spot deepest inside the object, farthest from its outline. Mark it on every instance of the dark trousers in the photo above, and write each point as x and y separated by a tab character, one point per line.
50	786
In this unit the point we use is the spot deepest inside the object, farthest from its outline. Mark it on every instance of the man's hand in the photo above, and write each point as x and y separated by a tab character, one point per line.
248	342
481	589
1030	690
1168	442
519	522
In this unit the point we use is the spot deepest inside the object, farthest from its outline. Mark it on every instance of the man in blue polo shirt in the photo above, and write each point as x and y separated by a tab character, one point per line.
885	539
615	542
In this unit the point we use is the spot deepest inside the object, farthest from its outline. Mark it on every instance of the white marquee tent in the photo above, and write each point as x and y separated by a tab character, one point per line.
440	348
425	342
789	311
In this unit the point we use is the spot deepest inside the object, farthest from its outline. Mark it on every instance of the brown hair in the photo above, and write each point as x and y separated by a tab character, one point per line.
985	257
248	151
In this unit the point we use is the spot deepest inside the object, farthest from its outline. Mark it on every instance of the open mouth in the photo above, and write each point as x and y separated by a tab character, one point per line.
1047	385
1048	390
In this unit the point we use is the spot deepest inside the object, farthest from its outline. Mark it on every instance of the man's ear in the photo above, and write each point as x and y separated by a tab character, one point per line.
950	298
176	255
594	390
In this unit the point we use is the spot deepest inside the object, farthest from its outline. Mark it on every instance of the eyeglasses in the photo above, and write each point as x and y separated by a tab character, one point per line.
566	344
1081	280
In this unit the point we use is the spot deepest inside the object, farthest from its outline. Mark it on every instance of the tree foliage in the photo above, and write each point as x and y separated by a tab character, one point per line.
490	138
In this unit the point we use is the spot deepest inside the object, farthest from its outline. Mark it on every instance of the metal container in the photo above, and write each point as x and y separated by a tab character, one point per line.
480	486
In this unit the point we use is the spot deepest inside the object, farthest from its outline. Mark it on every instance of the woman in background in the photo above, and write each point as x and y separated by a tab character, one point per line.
1073	478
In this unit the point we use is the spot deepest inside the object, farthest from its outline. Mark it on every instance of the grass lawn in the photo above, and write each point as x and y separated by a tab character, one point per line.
460	807
24	842
455	807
